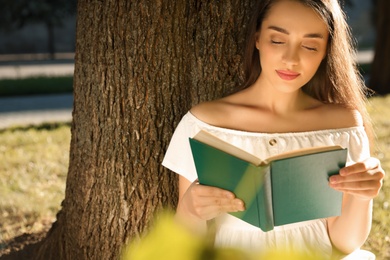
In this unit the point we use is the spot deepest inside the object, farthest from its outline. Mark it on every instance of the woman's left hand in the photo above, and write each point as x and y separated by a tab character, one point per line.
363	179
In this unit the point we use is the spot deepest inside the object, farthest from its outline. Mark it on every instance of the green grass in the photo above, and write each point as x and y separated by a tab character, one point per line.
379	240
33	170
35	161
36	85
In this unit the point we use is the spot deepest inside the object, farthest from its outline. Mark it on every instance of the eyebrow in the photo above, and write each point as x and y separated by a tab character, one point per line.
282	30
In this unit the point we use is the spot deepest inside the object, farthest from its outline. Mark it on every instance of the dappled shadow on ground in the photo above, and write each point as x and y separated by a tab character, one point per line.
21	247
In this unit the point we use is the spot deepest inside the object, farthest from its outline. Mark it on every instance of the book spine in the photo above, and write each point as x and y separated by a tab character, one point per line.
264	198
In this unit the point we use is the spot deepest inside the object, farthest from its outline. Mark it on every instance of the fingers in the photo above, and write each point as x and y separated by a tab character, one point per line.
368	189
363	179
209	202
210	208
371	164
208	191
357	177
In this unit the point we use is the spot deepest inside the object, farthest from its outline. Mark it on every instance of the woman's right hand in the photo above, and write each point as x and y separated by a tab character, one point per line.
200	202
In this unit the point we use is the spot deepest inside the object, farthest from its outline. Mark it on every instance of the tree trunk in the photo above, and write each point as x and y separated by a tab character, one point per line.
380	69
140	65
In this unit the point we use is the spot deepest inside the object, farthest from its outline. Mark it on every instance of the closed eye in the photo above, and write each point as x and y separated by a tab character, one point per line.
276	42
310	48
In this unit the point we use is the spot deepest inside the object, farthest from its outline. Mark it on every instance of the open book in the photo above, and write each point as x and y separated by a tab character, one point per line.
283	189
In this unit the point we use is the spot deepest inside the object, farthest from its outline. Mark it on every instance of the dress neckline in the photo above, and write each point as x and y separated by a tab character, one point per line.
247	133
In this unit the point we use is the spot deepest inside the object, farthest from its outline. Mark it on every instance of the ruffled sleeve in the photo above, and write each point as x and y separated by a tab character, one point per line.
358	146
178	157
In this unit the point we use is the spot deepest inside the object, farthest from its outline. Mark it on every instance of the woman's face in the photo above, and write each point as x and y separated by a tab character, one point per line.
292	43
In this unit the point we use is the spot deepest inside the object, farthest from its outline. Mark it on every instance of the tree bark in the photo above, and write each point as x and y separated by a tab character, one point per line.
139	66
380	76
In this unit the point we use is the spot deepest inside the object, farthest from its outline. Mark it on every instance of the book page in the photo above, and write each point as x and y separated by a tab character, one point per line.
303	151
214	141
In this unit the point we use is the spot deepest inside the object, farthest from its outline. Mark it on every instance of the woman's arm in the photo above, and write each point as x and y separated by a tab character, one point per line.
199	203
360	183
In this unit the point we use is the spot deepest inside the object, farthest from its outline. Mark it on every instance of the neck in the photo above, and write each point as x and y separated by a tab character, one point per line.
266	96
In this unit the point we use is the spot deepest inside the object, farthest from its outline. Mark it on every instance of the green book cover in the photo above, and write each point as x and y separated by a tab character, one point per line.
278	191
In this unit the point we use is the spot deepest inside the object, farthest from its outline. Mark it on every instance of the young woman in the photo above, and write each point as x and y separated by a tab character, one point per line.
301	90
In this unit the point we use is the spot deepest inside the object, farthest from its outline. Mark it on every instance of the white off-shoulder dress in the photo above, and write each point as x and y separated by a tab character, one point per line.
233	232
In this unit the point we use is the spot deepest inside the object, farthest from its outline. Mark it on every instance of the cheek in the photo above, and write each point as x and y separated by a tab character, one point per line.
313	64
265	47
265	61
267	54
310	60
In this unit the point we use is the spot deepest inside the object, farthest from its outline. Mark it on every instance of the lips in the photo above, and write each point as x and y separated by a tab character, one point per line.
287	75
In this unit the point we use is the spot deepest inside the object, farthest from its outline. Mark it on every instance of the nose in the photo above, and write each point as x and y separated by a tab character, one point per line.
291	56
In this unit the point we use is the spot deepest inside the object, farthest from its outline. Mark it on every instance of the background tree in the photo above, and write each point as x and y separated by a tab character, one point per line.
139	66
380	68
15	14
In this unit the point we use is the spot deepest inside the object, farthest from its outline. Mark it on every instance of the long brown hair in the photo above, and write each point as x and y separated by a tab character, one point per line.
337	79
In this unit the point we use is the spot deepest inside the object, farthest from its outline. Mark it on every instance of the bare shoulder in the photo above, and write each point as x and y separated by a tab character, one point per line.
212	112
339	116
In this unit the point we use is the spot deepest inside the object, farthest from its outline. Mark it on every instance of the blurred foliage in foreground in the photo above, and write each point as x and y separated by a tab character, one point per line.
170	241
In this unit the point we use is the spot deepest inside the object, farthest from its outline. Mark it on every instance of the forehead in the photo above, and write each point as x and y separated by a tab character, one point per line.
295	17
